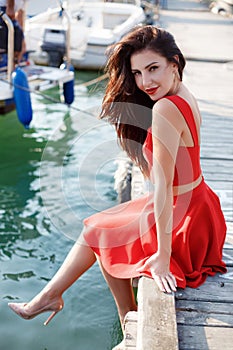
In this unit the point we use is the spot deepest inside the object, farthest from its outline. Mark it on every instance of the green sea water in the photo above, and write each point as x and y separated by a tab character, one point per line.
51	177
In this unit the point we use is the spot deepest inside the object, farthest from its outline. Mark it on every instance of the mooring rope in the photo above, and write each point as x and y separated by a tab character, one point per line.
94	81
54	100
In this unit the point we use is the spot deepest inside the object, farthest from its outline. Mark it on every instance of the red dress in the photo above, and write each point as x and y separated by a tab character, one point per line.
125	236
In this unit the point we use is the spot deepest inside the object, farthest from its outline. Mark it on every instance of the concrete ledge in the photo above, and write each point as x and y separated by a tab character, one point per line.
153	326
156	324
156	328
130	325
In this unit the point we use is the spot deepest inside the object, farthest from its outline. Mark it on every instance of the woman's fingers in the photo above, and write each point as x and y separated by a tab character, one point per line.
158	281
172	277
171	281
165	280
166	283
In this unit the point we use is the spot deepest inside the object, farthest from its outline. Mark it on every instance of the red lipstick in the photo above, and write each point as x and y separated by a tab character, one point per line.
151	91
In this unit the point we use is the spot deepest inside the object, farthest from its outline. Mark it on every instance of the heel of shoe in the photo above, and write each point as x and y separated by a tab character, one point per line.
50	317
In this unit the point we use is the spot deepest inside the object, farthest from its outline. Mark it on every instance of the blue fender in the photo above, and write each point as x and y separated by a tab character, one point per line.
68	87
22	96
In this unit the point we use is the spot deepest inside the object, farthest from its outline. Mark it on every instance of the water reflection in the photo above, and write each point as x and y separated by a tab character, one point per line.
18	276
34	191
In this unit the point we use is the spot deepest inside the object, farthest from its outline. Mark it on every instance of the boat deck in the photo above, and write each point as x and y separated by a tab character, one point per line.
43	78
40	78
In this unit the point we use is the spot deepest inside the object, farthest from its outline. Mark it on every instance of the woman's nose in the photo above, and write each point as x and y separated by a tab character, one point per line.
146	80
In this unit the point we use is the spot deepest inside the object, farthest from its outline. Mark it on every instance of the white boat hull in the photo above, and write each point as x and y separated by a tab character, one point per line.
93	27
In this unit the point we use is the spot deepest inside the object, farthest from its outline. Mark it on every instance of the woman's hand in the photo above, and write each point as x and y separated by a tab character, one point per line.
158	264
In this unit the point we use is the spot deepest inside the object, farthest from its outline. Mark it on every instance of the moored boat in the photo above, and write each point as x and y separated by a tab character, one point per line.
17	81
94	25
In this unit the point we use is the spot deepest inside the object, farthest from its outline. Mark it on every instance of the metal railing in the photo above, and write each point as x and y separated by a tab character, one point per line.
10	45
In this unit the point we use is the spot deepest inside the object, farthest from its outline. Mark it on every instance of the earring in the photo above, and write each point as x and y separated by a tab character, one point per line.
176	75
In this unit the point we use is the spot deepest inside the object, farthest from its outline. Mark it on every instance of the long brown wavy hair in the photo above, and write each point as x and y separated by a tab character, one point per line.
124	105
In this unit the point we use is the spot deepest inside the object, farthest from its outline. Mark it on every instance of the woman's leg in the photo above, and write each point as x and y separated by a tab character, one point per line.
122	292
80	258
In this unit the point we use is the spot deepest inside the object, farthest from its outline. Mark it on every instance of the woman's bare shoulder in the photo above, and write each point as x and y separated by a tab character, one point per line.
167	109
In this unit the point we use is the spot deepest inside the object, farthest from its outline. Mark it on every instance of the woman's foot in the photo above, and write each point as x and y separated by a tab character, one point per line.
38	305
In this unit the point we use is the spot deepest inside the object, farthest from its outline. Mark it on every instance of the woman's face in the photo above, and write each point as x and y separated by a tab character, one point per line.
153	73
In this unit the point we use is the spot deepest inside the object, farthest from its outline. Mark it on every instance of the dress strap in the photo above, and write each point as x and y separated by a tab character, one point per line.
187	113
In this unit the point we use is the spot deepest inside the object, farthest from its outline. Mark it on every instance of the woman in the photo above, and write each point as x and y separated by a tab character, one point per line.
174	234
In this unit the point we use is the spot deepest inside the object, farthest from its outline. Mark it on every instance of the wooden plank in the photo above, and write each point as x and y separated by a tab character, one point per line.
195	313
209	291
226	277
204	307
230	227
157	327
204	338
229	241
202	319
228	258
222	277
205	314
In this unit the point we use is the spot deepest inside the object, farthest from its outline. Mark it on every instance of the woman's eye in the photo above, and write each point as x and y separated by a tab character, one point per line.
153	68
136	73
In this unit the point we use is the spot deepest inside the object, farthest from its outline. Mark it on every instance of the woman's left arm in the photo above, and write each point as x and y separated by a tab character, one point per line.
166	133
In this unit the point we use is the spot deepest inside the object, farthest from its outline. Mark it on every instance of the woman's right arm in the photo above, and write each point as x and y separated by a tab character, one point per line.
166	133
